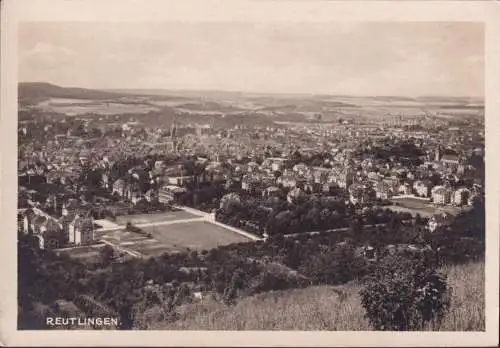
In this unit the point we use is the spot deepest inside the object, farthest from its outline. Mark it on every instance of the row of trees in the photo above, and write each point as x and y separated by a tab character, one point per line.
276	216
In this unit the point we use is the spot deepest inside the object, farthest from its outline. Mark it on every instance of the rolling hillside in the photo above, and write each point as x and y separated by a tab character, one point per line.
334	308
38	91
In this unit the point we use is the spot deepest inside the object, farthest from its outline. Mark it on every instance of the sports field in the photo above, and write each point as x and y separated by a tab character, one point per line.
195	235
135	243
156	217
177	237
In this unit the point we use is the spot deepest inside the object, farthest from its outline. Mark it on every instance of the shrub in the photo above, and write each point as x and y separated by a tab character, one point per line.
405	294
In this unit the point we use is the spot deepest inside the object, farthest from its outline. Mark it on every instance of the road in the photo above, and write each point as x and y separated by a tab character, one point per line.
343	229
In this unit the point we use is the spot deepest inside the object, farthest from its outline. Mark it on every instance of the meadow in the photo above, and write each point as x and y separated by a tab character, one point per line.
333	308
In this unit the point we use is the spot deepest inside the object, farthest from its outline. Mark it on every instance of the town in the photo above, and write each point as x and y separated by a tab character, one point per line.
103	190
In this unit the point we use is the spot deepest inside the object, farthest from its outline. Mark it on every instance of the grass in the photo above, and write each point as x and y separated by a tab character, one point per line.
329	308
467	312
194	235
154	217
177	237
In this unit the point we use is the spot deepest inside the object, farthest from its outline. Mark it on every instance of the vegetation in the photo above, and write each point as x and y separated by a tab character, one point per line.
405	294
334	308
159	288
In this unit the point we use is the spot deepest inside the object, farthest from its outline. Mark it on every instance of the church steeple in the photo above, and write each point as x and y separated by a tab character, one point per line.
438	154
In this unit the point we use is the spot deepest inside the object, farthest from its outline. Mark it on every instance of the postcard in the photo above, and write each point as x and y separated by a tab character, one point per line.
250	173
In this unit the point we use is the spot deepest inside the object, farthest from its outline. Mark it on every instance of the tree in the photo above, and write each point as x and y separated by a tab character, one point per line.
107	254
405	293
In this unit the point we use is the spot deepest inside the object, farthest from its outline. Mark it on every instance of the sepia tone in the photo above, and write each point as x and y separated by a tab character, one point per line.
175	176
252	176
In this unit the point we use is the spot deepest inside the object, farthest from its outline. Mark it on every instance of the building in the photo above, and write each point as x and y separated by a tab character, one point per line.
461	196
119	187
81	230
180	180
360	194
170	193
441	195
422	188
383	190
439	220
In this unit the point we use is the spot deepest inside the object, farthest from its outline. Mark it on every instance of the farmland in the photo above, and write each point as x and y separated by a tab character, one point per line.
82	106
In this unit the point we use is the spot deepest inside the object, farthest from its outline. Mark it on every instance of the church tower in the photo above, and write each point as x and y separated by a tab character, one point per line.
438	154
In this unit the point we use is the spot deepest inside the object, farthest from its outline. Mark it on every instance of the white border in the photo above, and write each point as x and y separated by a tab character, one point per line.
14	11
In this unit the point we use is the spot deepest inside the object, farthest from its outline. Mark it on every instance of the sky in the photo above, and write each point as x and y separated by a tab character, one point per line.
355	58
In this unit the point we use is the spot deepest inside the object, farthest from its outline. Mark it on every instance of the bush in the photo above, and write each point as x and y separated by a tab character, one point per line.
405	294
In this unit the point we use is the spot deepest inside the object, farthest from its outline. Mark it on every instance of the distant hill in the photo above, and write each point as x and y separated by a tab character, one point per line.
38	91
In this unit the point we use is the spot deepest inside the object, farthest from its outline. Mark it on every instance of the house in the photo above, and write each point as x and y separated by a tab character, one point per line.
450	160
439	220
345	178
360	194
105	181
441	195
180	180
119	187
422	188
247	183
169	193
383	190
270	191
287	181
46	228
134	196
150	195
51	236
404	189
294	195
28	217
81	230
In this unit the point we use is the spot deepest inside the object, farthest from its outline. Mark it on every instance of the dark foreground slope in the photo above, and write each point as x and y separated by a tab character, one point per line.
336	308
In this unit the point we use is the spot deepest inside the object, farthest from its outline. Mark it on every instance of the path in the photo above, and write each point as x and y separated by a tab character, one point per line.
342	229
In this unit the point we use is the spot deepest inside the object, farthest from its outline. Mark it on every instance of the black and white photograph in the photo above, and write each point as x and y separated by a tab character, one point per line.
251	176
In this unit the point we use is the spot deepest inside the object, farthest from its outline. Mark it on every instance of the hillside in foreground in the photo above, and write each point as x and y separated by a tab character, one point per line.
334	308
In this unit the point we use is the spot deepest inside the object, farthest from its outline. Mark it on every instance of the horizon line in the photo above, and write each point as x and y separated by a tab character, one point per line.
254	92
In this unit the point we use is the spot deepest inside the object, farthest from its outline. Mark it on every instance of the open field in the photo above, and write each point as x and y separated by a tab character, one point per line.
83	253
171	238
322	308
425	209
195	235
84	106
136	243
156	217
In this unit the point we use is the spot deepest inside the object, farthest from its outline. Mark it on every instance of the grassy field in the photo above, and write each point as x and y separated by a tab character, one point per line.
194	235
323	308
173	238
425	209
136	242
84	253
156	217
